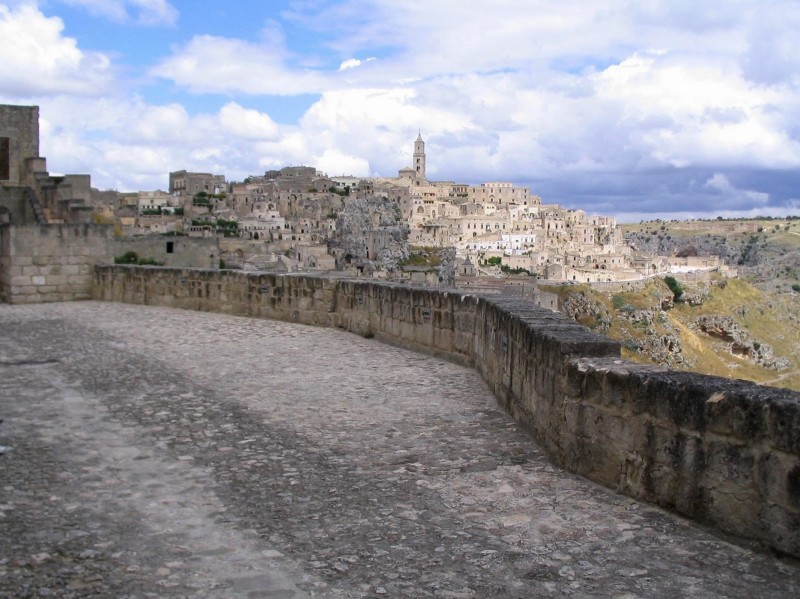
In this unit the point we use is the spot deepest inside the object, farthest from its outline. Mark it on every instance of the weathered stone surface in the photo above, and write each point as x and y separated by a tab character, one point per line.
171	453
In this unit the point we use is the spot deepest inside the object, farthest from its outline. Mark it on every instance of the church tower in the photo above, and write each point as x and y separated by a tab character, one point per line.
419	158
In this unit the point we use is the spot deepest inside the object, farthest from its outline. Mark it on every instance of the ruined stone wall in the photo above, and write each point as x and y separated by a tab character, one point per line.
726	453
50	263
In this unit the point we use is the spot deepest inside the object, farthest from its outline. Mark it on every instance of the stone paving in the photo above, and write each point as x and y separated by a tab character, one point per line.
167	453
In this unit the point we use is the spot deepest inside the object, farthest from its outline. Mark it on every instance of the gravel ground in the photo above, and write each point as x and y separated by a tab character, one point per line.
167	453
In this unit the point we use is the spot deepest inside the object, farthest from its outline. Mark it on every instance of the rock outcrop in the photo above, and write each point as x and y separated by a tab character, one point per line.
370	235
587	311
739	341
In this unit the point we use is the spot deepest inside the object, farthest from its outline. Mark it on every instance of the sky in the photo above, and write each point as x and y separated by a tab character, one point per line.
634	108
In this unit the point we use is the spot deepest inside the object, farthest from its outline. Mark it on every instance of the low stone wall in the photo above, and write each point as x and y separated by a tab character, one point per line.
726	453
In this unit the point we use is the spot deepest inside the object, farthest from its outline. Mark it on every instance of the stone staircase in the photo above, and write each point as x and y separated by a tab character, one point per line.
36	207
53	202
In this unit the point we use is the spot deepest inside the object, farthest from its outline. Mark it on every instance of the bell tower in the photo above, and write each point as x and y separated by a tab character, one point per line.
419	158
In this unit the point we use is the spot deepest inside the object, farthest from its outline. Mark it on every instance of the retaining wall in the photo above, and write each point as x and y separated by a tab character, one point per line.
726	453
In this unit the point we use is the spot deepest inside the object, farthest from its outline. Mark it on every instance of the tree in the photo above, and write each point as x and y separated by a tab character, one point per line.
674	286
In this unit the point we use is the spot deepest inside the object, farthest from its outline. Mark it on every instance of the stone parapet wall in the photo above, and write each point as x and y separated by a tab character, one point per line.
50	263
303	299
725	453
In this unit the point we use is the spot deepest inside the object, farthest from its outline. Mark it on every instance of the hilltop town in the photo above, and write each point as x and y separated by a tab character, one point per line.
300	219
494	237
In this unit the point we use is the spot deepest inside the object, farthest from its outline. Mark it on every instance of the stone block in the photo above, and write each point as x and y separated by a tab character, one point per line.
443	339
57	280
783	421
28	298
777	476
78	280
68	269
21	281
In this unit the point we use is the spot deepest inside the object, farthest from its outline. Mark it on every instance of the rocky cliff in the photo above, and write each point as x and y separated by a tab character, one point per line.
729	328
370	235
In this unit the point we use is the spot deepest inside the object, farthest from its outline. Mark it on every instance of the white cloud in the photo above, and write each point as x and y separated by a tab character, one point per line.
335	161
452	36
143	12
291	149
352	63
161	125
686	112
392	117
248	124
211	64
718	182
36	58
128	144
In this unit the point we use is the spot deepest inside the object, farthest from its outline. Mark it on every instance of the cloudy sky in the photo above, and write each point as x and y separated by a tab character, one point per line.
631	107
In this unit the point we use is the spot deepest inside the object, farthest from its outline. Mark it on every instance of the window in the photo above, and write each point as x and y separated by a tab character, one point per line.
5	158
170	247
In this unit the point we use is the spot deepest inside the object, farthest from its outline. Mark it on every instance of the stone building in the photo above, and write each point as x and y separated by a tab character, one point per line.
28	193
183	183
48	248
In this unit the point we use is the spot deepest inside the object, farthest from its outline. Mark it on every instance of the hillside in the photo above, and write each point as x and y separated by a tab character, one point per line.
729	328
765	251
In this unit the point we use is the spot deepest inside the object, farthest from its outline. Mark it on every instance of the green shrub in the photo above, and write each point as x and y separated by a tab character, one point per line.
516	271
674	286
133	258
201	199
127	258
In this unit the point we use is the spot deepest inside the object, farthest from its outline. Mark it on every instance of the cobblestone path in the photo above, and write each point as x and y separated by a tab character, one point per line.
166	453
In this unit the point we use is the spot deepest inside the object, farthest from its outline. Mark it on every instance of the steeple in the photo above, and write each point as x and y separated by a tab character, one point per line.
419	158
